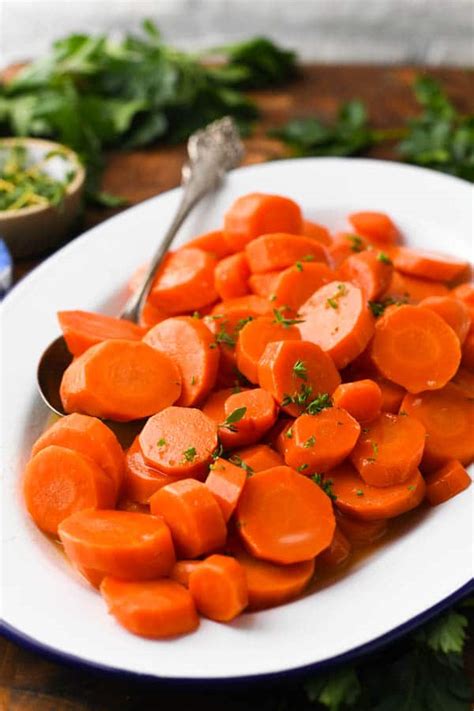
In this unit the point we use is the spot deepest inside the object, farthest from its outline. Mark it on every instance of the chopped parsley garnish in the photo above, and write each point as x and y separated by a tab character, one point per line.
223	337
299	266
384	258
242	322
332	301
196	314
411	487
378	307
359	492
325	484
357	243
302	467
218	452
308	258
193	380
310	442
289	433
320	402
272	297
161	442
239	462
190	454
299	369
235	416
283	321
298	398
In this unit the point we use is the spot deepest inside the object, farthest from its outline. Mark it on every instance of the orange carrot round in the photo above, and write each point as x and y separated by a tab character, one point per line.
185	281
361	533
257	458
90	437
392	395
269	584
219	588
231	276
83	329
317	232
187	342
182	569
179	441
446	482
212	242
157	609
465	293
389	449
193	516
120	380
258	214
408	289
320	442
294	285
337	319
150	315
141	480
263	284
448	417
375	226
130	546
370	270
453	311
429	265
259	413
362	399
226	482
254	337
372	503
337	553
284	517
415	348
295	372
59	481
343	245
279	250
214	405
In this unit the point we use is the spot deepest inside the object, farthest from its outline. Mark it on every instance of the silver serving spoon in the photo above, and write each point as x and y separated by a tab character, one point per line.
212	152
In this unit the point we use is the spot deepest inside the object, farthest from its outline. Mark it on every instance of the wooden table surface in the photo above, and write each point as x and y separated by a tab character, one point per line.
28	681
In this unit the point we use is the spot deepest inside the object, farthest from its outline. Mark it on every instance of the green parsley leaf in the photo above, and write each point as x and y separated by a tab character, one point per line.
299	266
325	485
235	416
302	467
289	433
384	258
300	370
239	462
242	322
282	320
190	454
161	442
359	492
357	244
308	258
310	442
446	634
336	689
320	402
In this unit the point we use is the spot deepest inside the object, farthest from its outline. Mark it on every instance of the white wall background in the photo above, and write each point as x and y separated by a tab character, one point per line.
412	31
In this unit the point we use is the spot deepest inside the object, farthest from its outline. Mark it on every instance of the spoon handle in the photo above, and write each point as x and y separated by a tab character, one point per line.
212	152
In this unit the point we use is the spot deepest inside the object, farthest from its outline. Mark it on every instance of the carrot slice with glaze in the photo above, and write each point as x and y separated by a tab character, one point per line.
120	380
141	480
294	285
126	545
411	289
212	242
226	482
83	329
58	482
320	442
372	503
429	265
157	609
446	482
370	270
389	449
185	281
257	458
259	414
415	348
284	517
257	214
362	399
361	533
179	441
375	226
392	395
231	276
187	342
317	232
279	250
219	588
337	319
193	516
295	372
254	337
182	570
263	284
453	311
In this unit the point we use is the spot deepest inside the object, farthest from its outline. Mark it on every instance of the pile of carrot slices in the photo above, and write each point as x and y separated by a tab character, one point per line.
298	391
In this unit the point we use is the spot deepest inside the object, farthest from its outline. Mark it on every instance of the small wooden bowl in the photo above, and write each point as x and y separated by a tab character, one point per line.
30	231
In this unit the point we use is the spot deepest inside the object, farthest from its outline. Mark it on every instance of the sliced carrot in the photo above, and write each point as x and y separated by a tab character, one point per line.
258	458
464	380
263	284
254	337
126	545
453	311
283	433
231	276
269	584
465	293
370	270
345	244
317	232
412	289
240	308
392	395
468	349
375	226
361	533
214	405
294	285
257	214
279	250
259	414
182	570
212	242
150	315
362	399
90	437
389	449
219	588
337	319
83	329
295	372
187	342
157	609
415	348
448	417
429	265
446	482
320	442
185	281
226	482
284	517
193	516
179	441
59	481
338	552
372	503
141	480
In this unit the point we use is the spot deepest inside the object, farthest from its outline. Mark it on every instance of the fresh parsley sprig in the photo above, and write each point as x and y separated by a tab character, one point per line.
234	417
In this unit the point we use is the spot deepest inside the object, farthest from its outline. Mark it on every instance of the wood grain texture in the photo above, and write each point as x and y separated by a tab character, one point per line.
28	681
